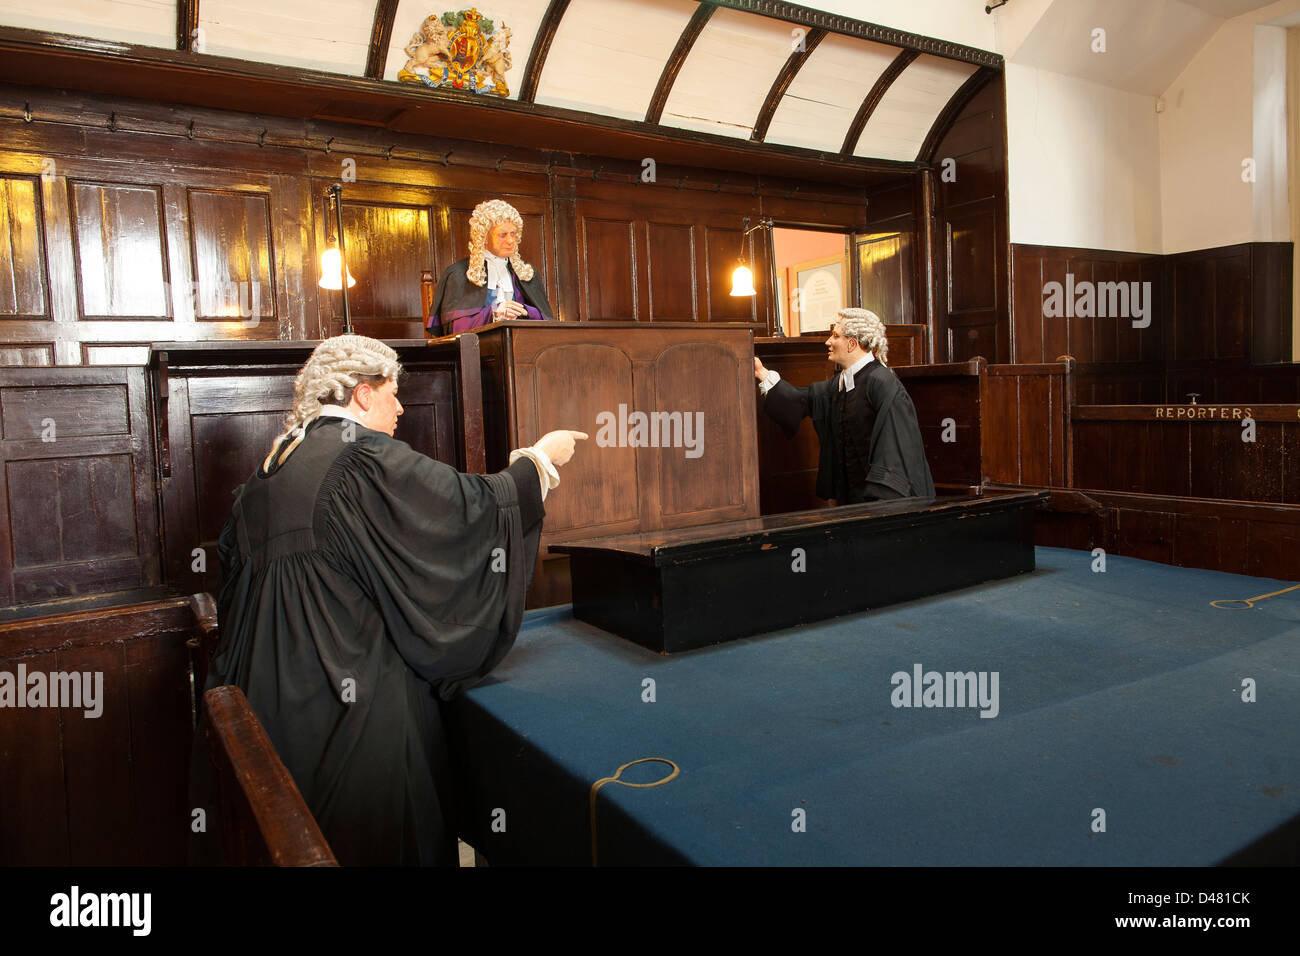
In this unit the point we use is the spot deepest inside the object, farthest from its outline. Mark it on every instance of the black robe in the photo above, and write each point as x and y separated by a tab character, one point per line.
461	305
894	448
361	583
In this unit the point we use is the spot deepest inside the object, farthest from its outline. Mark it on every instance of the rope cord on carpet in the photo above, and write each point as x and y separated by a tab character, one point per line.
595	788
1240	604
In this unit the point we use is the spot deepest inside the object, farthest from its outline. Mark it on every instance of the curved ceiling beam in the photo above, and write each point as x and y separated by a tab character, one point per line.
381	35
883	82
541	47
187	21
956	103
782	83
694	27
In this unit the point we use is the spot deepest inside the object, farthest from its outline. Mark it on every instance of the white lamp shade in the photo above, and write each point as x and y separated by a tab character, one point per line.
330	268
742	281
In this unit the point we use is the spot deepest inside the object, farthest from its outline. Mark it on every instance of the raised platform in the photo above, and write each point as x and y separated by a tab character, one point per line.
1120	691
677	590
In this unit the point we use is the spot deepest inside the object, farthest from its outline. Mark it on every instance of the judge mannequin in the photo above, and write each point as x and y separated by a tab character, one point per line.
362	582
493	283
871	446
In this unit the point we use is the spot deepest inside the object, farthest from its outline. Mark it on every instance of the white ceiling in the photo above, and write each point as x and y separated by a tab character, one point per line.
1148	42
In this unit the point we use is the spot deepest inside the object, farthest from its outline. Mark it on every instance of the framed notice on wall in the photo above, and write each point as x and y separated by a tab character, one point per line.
818	293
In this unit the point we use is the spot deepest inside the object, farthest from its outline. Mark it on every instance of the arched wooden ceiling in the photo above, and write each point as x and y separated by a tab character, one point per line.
759	71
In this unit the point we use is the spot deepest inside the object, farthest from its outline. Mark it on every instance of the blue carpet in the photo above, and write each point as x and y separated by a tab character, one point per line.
1119	691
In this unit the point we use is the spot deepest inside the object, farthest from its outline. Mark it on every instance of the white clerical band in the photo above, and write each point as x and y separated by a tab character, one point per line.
546	473
498	273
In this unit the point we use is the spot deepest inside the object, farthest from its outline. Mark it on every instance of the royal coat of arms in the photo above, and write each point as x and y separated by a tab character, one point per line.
463	50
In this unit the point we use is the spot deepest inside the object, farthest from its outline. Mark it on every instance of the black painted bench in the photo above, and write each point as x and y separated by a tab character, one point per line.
687	588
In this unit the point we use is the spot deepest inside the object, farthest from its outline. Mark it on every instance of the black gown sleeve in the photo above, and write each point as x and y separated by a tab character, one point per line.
446	557
788	405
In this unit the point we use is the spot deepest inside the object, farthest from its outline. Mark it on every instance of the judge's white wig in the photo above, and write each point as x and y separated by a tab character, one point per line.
481	220
865	326
329	377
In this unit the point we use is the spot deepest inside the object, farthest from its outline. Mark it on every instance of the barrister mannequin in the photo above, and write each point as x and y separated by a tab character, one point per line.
871	445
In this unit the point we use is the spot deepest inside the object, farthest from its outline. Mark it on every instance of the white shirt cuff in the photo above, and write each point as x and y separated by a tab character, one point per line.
773	376
546	473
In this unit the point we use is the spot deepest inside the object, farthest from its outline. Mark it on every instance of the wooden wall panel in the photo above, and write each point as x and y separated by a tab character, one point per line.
610	266
1237	537
694	380
787	467
1220	324
232	260
388	245
891	270
972	308
121	250
22	249
670	271
110	789
722	249
133	213
77	509
1127	449
884	276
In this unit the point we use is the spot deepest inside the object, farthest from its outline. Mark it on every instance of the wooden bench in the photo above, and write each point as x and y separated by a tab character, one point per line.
264	820
679	589
103	783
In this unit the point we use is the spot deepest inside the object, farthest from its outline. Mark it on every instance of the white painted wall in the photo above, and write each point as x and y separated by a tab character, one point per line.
1096	167
1228	104
1083	163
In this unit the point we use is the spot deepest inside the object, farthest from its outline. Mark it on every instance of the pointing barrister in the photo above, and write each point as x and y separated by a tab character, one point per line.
871	447
362	582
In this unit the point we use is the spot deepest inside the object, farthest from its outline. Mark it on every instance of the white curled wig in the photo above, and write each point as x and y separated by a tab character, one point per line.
335	367
481	220
865	326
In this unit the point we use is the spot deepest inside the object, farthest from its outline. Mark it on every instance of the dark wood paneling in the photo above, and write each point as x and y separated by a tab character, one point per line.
176	196
120	250
1220	324
77	509
670	272
109	789
884	276
972	309
231	258
906	344
1189	451
787	467
609	259
1238	537
387	246
22	249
